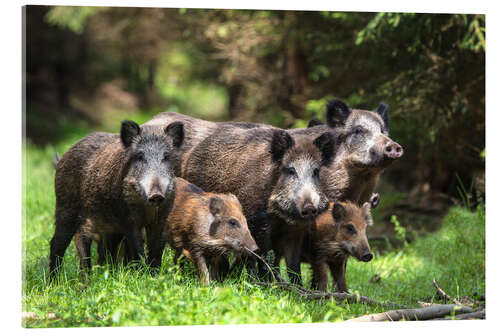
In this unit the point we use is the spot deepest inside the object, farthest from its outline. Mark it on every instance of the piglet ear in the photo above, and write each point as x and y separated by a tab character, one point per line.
128	132
281	142
176	131
216	205
314	122
336	113
326	143
383	111
338	212
367	214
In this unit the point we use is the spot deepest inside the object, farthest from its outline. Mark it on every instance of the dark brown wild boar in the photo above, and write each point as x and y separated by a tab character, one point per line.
108	184
338	233
274	176
207	226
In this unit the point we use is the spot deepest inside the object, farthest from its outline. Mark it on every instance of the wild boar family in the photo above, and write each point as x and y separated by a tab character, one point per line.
213	188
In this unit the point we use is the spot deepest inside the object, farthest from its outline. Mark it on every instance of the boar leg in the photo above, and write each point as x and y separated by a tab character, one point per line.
67	223
83	244
135	246
135	241
337	268
110	245
292	254
156	244
201	263
320	276
219	268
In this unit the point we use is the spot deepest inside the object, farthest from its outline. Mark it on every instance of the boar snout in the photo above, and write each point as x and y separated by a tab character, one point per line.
254	248
156	198
367	256
308	210
250	244
393	150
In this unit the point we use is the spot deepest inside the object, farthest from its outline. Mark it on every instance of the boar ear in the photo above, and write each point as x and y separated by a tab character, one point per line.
314	122
336	113
338	212
327	145
282	141
215	205
374	200
128	132
366	213
176	131
383	111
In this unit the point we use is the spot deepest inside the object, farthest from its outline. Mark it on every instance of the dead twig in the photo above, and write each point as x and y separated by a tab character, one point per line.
425	313
444	295
317	295
265	263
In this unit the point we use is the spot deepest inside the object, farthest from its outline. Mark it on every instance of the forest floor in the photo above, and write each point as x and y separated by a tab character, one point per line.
454	255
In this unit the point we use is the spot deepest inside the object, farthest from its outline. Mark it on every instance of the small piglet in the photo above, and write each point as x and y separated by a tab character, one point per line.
207	226
338	233
116	185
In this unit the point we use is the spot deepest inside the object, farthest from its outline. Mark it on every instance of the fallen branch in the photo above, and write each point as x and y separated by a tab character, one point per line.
425	313
472	315
317	295
444	295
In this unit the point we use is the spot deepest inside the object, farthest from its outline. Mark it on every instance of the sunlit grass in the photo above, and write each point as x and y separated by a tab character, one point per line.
455	256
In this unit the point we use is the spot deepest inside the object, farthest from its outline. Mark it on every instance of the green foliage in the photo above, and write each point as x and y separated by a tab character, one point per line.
71	17
455	256
400	230
472	36
465	194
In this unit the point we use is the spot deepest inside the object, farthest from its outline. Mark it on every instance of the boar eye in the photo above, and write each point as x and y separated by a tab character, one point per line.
350	229
316	172
233	223
166	156
358	130
139	156
290	171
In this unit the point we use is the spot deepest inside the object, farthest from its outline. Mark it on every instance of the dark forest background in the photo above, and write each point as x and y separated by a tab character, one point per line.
85	65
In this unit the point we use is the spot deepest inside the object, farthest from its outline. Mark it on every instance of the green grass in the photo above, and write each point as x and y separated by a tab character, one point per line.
454	255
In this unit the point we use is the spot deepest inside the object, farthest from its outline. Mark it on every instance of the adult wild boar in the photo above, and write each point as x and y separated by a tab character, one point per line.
274	176
116	184
364	153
